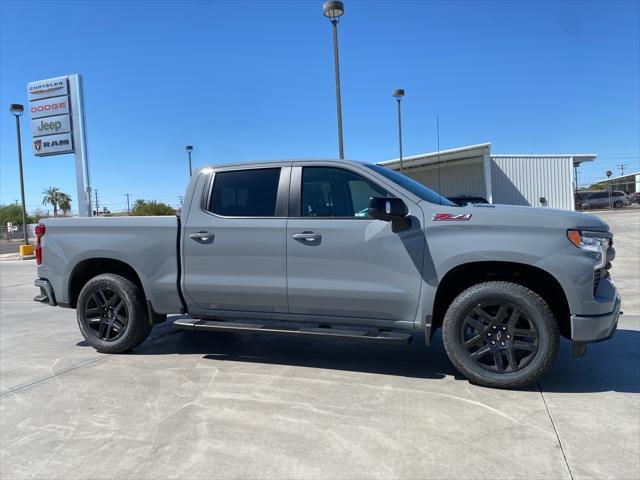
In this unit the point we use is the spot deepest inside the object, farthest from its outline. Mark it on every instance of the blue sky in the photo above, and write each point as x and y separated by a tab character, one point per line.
248	80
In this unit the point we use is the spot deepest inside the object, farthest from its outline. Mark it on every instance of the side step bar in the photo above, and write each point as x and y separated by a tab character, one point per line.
223	326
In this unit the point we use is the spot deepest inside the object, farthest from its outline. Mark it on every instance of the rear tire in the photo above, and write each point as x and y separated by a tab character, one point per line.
500	335
111	314
618	204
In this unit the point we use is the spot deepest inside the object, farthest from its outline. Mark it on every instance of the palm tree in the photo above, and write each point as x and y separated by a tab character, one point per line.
51	196
64	202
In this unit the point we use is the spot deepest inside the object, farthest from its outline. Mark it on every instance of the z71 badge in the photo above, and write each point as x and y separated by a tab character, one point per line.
451	217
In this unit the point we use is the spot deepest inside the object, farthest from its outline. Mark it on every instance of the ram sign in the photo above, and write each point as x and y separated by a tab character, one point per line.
51	125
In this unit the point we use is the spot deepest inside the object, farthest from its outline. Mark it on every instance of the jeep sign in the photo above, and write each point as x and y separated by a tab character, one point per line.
50	125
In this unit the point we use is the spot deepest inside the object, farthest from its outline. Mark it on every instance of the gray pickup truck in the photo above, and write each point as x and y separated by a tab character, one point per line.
340	249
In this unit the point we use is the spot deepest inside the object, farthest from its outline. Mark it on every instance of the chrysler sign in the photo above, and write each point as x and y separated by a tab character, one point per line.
53	87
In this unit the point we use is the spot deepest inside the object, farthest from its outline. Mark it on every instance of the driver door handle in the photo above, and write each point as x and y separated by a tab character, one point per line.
307	237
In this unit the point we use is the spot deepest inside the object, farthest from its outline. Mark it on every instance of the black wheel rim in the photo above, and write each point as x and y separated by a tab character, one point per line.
499	337
106	314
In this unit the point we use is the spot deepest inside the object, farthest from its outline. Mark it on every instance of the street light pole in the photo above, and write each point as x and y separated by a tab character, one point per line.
16	110
333	10
189	149
608	174
398	94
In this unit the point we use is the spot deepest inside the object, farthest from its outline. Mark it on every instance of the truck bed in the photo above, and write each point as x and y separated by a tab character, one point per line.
148	244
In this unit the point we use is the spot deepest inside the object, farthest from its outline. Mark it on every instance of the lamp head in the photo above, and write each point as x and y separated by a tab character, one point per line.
16	109
189	148
333	10
399	93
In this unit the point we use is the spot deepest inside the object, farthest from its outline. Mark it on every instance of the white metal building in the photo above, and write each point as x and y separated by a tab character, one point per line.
629	183
535	180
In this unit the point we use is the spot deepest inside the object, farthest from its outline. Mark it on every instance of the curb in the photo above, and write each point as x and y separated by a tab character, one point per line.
15	256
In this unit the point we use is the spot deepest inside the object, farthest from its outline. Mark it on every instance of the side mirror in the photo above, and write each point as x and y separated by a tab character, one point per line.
389	209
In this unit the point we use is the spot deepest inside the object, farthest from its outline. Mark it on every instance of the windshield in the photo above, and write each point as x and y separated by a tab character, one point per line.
411	185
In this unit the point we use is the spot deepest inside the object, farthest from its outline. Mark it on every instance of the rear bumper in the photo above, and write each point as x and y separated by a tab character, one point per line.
46	292
593	328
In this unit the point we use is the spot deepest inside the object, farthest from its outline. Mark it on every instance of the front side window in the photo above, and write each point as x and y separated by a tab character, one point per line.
245	193
334	192
410	184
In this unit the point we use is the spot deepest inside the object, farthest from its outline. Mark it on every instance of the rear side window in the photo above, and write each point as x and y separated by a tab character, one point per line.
245	193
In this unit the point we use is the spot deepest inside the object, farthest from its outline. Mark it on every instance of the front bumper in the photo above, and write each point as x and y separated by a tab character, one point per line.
593	328
46	292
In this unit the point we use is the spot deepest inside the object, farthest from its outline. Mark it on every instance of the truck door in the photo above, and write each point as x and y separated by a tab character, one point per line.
341	262
234	241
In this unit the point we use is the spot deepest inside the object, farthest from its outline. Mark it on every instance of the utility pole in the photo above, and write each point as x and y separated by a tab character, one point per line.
96	193
621	168
128	209
575	178
180	198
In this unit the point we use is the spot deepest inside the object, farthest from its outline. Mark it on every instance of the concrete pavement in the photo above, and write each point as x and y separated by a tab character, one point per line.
191	405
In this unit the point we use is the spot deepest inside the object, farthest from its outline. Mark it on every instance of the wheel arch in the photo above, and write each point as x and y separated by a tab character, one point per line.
463	276
91	267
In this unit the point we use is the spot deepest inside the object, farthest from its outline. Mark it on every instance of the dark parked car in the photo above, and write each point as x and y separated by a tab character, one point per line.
634	197
464	200
600	199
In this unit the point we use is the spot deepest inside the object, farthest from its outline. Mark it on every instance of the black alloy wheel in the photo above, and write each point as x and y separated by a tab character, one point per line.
112	313
106	314
499	337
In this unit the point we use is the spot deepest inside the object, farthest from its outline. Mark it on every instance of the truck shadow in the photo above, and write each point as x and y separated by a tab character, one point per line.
413	360
613	365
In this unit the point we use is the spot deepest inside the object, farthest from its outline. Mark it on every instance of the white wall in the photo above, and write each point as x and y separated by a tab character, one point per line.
522	180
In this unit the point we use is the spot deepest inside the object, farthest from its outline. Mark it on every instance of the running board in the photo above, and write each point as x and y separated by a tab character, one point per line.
310	331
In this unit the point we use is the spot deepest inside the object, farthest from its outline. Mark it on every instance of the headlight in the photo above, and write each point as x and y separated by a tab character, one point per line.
592	242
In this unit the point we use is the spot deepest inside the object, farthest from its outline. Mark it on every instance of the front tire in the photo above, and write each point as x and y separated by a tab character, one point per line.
500	335
111	314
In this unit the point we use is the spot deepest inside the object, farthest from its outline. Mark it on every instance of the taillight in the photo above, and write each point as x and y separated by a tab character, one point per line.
39	231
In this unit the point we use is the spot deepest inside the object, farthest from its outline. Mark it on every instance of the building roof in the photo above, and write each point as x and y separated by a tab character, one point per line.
578	158
619	177
442	156
474	151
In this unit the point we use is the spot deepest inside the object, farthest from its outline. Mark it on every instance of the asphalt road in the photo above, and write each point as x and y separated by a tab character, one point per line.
9	247
194	405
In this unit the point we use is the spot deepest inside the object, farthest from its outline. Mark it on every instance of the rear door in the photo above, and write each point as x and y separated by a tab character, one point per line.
341	262
234	241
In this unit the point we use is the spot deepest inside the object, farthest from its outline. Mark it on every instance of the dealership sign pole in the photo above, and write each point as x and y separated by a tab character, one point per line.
57	127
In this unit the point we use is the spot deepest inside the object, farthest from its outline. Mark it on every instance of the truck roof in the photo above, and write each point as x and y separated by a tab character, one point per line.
281	161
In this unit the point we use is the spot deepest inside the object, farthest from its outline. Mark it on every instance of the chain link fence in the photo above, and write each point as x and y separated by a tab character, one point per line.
15	232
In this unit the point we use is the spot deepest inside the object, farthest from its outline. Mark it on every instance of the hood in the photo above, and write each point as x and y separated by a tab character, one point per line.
533	216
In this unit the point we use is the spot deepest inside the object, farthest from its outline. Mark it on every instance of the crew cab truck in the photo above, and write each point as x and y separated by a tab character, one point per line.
340	249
